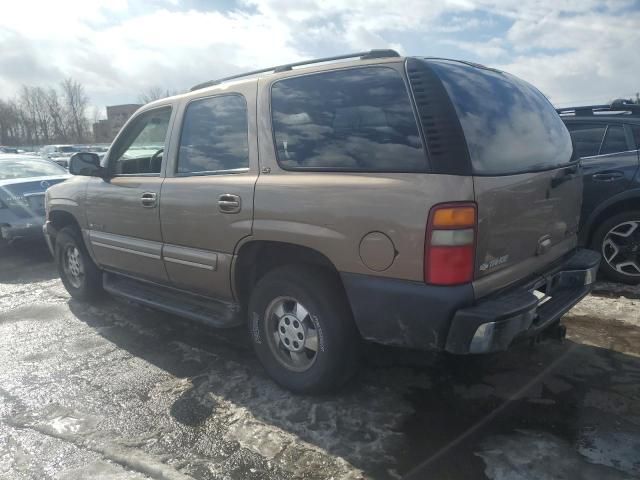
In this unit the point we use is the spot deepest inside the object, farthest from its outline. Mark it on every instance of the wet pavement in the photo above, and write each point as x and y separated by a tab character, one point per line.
117	391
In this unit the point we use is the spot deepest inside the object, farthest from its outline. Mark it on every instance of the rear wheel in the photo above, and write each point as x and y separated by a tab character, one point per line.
80	276
302	329
618	240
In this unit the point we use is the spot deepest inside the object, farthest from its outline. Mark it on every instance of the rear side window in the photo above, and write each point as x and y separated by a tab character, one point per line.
587	138
214	135
509	126
349	120
615	140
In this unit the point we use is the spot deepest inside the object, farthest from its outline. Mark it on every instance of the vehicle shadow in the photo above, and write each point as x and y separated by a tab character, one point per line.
26	262
407	413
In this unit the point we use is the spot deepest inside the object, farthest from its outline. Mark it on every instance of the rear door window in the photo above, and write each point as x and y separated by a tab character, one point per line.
509	126
587	138
615	140
214	136
349	120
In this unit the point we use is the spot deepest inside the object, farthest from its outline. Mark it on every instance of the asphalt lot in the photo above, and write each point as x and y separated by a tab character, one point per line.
118	391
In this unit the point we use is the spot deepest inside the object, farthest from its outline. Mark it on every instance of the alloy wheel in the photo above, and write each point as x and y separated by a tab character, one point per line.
621	248
292	334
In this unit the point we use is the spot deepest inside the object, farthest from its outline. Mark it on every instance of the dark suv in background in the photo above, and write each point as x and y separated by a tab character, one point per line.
607	137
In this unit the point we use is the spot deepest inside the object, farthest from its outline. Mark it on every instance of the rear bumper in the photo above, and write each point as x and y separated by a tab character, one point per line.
27	229
493	324
416	315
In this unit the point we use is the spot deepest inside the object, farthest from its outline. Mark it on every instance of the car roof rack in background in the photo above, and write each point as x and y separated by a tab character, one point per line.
619	106
371	54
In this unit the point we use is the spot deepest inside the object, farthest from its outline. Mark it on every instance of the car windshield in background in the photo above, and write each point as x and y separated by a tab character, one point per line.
68	149
510	127
27	168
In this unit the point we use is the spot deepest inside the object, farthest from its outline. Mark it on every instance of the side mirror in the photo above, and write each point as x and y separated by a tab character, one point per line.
85	163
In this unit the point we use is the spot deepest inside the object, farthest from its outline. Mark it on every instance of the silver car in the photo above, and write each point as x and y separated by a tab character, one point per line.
23	182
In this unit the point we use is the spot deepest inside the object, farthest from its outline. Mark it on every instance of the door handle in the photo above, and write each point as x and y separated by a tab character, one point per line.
229	203
607	176
148	199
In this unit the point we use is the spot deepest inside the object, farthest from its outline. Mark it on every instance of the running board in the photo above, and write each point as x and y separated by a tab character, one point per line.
213	313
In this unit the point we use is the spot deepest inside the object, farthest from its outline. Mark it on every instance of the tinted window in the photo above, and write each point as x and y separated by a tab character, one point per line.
509	125
214	135
358	119
587	138
139	149
614	141
636	134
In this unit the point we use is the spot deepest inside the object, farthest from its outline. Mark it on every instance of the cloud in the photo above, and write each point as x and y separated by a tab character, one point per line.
572	50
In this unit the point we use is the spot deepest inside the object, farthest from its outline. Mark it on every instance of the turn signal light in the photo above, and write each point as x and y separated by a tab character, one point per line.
450	244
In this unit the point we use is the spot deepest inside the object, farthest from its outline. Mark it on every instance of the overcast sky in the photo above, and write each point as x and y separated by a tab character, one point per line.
575	51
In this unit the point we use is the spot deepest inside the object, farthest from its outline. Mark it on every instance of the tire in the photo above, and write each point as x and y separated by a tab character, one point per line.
299	289
83	280
629	246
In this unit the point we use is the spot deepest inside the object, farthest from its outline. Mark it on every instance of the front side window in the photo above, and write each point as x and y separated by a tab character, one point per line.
587	138
140	147
615	140
349	120
636	134
214	135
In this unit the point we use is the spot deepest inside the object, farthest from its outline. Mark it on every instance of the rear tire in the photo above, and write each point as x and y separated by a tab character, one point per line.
80	276
302	329
610	237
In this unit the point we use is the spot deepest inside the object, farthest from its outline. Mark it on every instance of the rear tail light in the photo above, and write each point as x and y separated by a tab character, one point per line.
450	244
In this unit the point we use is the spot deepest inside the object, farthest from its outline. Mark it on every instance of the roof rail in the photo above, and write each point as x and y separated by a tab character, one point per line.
618	105
371	54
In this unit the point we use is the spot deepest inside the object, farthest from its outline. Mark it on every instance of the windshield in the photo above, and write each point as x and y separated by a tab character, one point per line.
27	168
68	149
510	127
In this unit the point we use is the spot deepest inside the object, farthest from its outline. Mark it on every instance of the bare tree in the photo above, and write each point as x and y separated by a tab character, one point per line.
75	105
155	92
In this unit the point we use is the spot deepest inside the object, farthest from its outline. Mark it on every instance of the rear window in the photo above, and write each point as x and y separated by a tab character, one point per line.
11	168
349	120
509	126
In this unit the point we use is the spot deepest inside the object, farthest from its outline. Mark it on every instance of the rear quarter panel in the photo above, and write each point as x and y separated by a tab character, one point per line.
331	212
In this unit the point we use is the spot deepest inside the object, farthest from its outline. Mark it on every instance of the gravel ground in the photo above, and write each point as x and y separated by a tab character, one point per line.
118	391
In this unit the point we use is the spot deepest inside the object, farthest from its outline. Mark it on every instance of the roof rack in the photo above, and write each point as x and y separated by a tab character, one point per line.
371	54
620	106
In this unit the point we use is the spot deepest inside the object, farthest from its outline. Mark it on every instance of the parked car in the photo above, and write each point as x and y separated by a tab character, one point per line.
59	153
23	181
4	149
607	137
425	203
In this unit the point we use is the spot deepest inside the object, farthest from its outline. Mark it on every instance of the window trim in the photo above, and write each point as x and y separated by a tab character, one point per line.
110	162
224	171
407	88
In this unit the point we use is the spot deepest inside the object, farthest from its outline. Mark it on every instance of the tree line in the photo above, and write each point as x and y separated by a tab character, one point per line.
40	116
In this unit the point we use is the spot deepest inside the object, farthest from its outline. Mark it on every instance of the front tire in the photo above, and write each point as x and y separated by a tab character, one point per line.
80	276
618	241
302	329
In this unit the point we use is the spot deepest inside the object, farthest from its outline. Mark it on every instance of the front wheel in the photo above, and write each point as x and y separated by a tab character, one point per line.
302	329
618	240
80	276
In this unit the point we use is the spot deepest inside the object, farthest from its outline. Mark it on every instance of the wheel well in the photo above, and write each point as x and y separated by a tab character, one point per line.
613	209
61	219
257	258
